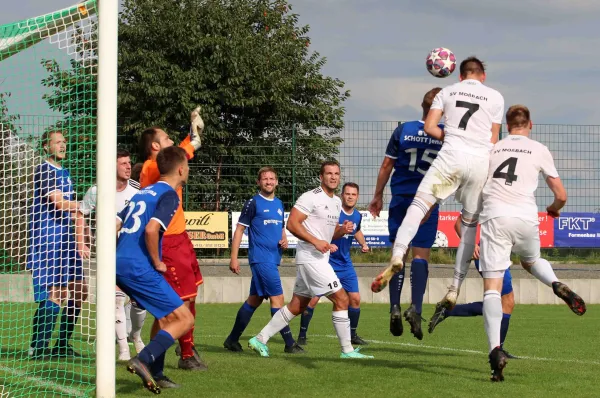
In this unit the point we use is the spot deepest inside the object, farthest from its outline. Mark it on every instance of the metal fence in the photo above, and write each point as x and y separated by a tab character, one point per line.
223	178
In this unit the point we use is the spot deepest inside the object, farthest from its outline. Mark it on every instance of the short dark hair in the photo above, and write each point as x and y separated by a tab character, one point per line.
169	159
266	169
122	153
350	185
328	163
147	137
471	65
136	170
518	116
429	97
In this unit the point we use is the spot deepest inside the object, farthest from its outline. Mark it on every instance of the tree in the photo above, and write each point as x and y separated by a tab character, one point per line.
73	94
248	63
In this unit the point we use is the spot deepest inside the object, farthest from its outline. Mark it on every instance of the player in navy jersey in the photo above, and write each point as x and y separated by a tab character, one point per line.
342	265
409	153
55	252
139	266
263	215
476	308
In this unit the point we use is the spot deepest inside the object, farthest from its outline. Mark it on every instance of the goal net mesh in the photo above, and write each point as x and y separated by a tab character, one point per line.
48	68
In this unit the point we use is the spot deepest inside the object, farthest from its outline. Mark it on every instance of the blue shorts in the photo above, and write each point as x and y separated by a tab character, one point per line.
265	281
348	278
507	286
53	264
425	236
151	292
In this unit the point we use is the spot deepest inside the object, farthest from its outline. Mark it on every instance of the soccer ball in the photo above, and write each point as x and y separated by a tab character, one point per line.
441	62
441	240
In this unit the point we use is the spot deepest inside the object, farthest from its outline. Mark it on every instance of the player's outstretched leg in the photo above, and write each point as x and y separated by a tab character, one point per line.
291	347
542	270
279	320
460	310
407	231
396	284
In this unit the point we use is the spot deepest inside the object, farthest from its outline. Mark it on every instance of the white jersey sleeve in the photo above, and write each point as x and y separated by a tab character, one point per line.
88	204
306	203
547	166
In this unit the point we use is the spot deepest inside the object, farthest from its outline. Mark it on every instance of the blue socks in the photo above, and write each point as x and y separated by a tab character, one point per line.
305	321
395	287
154	353
354	315
419	272
241	321
286	332
504	328
68	320
43	323
470	309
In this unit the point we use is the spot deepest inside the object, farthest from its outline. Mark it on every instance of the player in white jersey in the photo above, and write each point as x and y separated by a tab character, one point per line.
472	119
314	221
129	318
509	223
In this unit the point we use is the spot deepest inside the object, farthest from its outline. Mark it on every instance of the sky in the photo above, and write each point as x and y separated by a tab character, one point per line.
538	53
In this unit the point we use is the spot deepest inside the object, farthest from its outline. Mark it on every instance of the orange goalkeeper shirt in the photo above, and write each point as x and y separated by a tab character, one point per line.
151	175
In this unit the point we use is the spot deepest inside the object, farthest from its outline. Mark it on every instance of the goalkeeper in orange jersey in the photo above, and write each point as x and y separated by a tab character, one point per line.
183	271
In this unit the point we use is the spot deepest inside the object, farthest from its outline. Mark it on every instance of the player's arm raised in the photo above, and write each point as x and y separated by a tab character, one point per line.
296	228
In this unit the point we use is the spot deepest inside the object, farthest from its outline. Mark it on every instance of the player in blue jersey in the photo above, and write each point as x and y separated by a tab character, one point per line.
342	265
263	215
139	266
476	308
55	252
409	153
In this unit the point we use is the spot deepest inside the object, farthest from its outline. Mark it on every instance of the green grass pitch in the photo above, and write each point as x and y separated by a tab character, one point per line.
560	351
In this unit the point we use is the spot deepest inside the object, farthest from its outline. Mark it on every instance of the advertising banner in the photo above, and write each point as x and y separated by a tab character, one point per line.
577	230
208	230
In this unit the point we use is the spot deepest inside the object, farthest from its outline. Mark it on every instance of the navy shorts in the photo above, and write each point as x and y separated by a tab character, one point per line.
151	292
265	280
53	264
425	236
348	278
507	286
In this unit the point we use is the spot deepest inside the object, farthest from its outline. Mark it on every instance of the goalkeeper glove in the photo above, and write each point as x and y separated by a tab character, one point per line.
196	128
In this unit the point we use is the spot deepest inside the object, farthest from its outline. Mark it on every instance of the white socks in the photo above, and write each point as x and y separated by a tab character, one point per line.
121	322
464	253
138	316
409	227
543	271
281	319
492	317
341	323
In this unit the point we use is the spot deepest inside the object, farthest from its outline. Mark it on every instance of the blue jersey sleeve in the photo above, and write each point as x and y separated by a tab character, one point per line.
47	180
359	222
393	147
248	213
165	208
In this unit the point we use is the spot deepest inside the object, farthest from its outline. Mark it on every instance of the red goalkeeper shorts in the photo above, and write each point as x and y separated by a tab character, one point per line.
183	272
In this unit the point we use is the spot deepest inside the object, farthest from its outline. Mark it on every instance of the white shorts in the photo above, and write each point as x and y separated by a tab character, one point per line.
455	171
502	235
316	279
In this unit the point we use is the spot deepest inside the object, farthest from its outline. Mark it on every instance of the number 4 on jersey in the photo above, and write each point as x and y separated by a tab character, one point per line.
509	176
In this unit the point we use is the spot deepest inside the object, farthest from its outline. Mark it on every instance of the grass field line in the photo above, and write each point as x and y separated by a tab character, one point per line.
41	382
467	351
